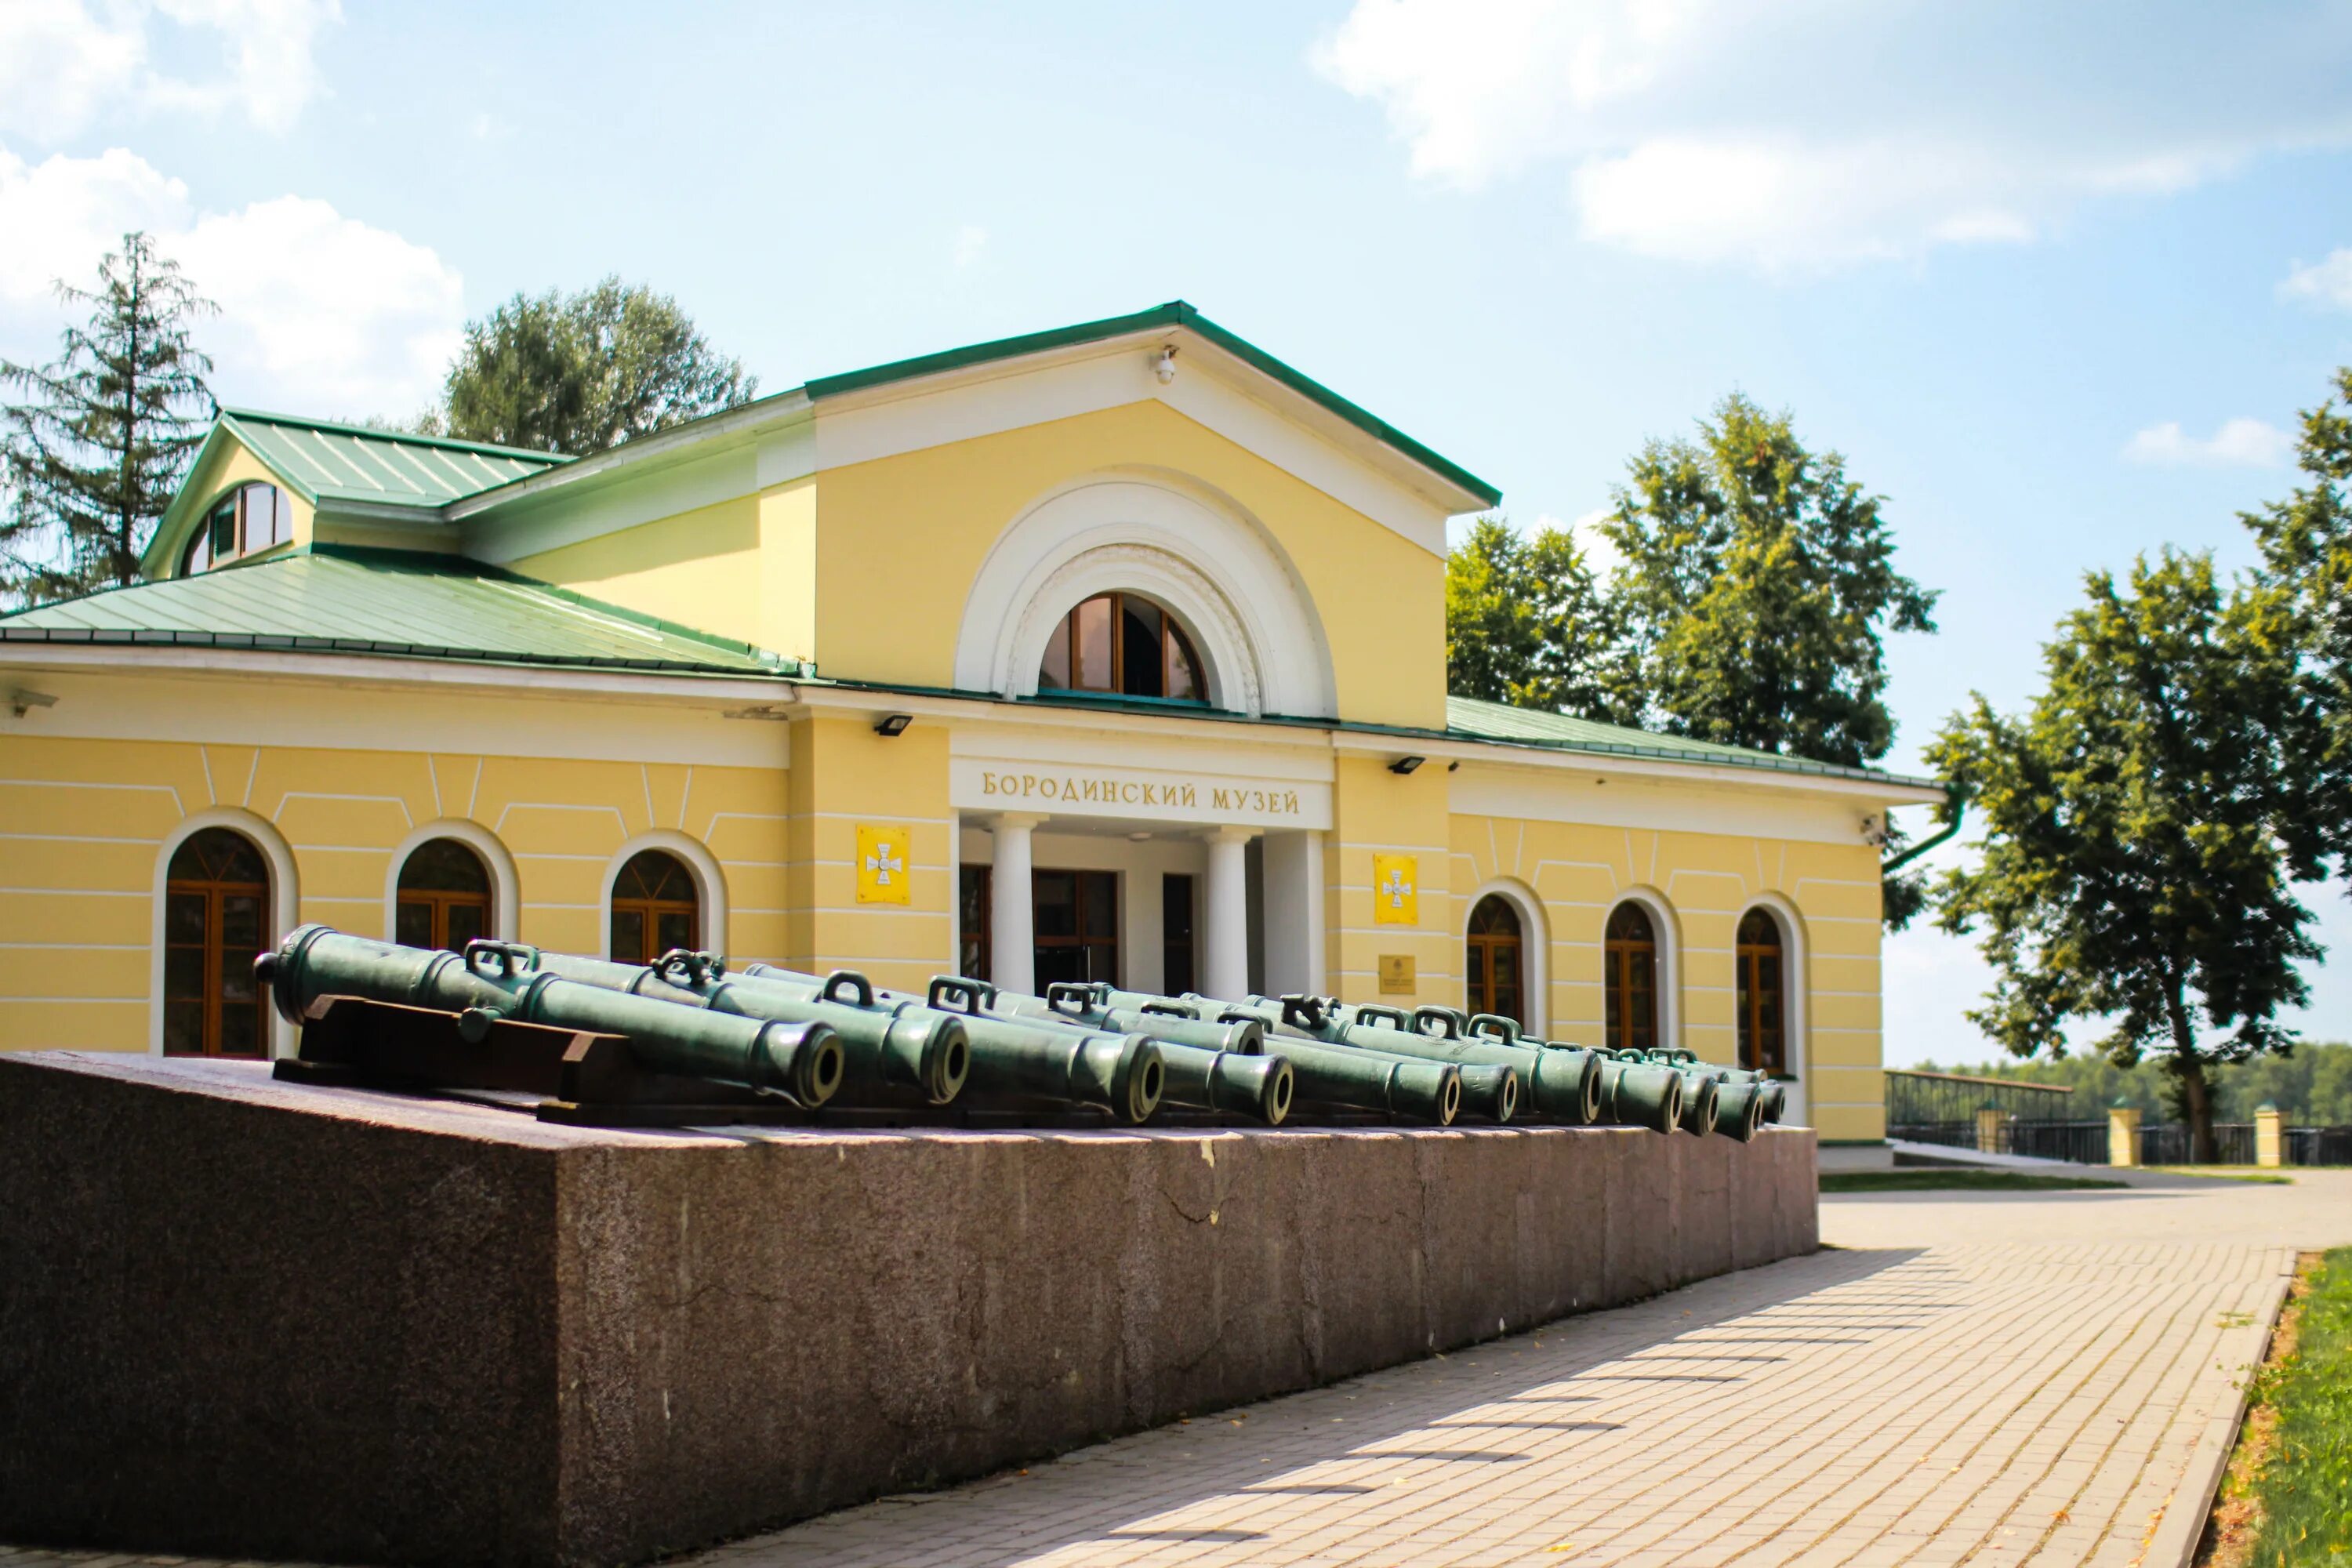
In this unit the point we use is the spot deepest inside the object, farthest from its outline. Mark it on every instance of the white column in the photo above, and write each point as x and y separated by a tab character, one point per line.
1012	933
1293	912
1224	915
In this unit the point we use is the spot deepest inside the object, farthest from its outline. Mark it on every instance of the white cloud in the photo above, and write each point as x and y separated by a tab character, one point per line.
64	65
1826	132
970	244
319	312
2325	283
2238	443
1600	551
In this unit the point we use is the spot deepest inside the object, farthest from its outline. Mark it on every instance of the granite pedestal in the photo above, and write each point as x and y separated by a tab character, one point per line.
248	1319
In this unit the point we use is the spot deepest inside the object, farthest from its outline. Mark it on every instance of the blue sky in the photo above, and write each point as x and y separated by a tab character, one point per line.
2055	284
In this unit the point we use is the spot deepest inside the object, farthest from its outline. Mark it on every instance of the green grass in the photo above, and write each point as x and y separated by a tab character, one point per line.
1954	1180
2226	1174
2304	1489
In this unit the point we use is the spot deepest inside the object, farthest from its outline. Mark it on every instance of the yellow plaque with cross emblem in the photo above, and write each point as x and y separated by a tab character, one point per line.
882	863
1396	889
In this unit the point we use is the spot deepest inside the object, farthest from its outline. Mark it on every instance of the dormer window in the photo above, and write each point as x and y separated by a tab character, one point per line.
1122	644
248	519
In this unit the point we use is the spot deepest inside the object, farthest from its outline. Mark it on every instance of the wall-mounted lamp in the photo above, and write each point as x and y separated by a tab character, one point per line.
893	725
1406	764
24	701
1455	766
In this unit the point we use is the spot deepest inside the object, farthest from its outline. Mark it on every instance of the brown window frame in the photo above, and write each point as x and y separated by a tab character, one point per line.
650	910
1486	950
198	554
440	902
1749	995
214	892
1083	880
1172	636
1617	982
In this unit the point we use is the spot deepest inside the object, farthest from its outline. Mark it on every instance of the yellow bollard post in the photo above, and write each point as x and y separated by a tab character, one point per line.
2269	1135
2123	1134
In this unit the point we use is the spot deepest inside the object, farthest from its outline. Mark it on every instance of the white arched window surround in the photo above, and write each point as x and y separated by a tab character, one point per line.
709	886
1669	932
1796	980
1535	946
1185	546
506	897
285	906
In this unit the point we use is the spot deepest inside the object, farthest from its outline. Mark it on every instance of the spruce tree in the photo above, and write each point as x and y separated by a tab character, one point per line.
104	435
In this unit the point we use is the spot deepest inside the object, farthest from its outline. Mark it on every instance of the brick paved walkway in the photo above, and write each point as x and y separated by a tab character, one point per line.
1984	1379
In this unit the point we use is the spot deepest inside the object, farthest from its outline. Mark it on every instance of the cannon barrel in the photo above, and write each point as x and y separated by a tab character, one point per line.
1702	1094
929	1053
1639	1093
1259	1086
1558	1083
1356	1078
1124	1074
494	980
1772	1096
1739	1110
1165	1019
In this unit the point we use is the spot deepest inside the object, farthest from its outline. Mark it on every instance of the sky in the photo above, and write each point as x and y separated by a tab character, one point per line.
2055	280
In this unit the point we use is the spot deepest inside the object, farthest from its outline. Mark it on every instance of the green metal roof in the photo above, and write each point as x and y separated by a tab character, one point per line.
342	599
1175	313
1469	718
349	462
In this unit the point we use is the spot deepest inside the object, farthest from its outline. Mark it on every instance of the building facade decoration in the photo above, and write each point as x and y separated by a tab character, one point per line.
428	689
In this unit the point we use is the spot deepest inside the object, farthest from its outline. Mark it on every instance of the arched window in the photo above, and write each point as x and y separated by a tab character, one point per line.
655	908
1121	643
1763	1001
216	922
445	896
1630	974
1494	967
249	518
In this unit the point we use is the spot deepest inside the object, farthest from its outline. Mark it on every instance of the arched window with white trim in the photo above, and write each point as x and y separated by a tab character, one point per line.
655	907
445	896
1762	995
1126	645
216	920
1629	976
1495	960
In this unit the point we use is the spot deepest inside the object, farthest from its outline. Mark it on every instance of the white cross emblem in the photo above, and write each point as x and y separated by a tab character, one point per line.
882	863
1396	888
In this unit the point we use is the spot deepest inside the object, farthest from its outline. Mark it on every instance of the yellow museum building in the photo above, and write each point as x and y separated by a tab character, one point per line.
1111	652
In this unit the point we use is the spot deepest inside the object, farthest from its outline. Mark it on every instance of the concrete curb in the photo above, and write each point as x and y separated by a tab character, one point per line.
2174	1544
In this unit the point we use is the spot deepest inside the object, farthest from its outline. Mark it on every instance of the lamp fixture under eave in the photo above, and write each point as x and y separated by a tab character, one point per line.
893	724
1406	764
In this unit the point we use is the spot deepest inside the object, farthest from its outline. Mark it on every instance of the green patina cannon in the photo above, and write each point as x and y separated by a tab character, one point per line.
1345	1075
885	1054
1639	1093
1741	1092
1011	1060
1211	1066
493	983
1560	1084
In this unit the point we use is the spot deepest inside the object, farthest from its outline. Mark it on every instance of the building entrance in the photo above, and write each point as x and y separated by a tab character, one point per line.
1076	916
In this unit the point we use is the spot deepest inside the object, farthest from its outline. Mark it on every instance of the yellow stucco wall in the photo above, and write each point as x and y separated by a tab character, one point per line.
703	568
901	540
86	822
844	775
1706	880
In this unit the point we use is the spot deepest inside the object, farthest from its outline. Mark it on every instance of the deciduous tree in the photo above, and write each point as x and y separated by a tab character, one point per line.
1526	623
105	433
580	373
2138	839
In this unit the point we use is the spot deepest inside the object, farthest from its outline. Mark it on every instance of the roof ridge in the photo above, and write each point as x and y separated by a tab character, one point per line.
369	433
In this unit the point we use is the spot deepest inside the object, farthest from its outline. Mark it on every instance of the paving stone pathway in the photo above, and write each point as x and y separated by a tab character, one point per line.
1988	1380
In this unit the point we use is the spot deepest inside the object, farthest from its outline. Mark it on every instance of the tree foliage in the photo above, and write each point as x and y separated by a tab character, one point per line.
580	373
1757	589
1526	623
2138	839
2306	549
104	434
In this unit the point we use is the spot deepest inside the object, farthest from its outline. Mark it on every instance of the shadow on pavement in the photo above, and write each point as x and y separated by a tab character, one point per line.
1116	1492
